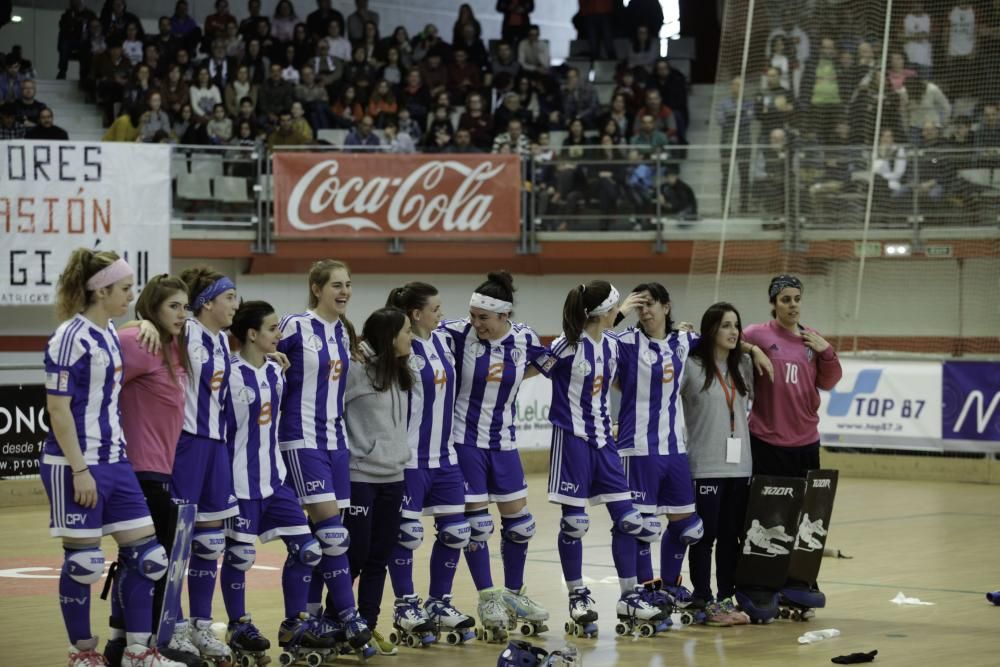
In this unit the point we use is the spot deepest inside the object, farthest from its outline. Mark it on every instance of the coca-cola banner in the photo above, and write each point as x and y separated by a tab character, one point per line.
409	196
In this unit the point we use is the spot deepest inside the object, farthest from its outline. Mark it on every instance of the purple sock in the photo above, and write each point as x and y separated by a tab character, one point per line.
444	559
514	552
74	601
234	584
314	594
135	591
336	572
643	561
295	581
401	570
673	550
477	556
571	550
201	586
622	545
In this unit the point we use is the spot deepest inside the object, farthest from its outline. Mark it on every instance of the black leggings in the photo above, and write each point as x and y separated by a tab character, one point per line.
721	502
770	459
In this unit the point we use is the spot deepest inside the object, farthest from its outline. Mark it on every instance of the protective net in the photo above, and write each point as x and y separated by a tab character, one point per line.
858	144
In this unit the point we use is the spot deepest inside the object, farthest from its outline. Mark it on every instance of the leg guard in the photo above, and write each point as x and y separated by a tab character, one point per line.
688	530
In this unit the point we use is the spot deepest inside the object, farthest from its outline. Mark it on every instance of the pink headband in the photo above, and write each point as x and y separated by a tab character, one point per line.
109	275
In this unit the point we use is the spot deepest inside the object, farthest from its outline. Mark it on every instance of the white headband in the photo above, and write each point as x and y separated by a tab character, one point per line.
110	274
606	305
489	303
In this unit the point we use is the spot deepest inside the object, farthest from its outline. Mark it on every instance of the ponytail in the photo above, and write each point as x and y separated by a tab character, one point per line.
580	300
411	296
72	295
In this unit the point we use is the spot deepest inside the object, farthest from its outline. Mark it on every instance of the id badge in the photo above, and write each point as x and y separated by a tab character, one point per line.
734	446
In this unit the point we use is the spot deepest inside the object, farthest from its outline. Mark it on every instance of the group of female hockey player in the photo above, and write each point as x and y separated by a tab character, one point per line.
368	434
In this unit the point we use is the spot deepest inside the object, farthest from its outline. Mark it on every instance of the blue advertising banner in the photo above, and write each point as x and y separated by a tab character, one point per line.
970	401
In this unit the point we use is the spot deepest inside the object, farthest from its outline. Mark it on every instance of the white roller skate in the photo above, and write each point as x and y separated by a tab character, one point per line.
411	625
211	649
301	640
248	645
582	614
84	654
139	655
356	635
180	641
453	624
494	617
685	604
637	615
525	614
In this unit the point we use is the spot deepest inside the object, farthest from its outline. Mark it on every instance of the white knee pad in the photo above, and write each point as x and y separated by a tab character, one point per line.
209	545
454	535
652	529
153	561
307	553
629	523
520	529
482	526
84	566
240	555
411	534
688	530
574	526
333	539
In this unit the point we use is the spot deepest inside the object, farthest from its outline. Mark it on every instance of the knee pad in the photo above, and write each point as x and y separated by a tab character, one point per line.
333	537
629	523
481	522
411	534
455	535
518	529
306	551
208	544
688	530
84	566
574	526
240	555
652	528
147	559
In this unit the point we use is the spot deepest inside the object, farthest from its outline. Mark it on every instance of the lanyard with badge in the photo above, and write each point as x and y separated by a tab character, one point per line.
733	444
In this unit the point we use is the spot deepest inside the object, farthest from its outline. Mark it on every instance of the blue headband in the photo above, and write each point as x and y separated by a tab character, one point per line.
779	283
215	289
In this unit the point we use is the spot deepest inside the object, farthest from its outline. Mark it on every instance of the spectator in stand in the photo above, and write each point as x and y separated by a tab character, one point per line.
466	17
672	85
469	40
363	134
27	108
183	27
215	24
248	26
610	178
550	104
427	41
396	141
267	43
305	45
463	142
478	122
361	73
676	197
46	130
434	73
924	103
371	43
183	61
961	133
220	127
241	86
317	23
356	21
347	110
821	89
157	66
726	114
27	68
284	21
174	90
247	112
772	174
533	52
505	63
438	139
95	44
899	73
596	18
125	127
233	45
917	38
960	67
890	167
661	113
649	138
571	177
643	50
516	19
204	95
393	70
290	72
528	101
938	173
11	79
285	134
72	37
186	129
314	98
513	140
988	134
10	128
773	107
635	95
115	18
157	120
221	68
329	69
132	45
275	95
579	99
511	110
618	114
112	72
400	39
339	46
407	125
415	97
382	104
139	87
464	76
300	123
647	13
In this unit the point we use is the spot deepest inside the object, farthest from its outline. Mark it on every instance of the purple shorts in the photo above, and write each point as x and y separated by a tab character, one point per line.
203	475
269	518
120	503
433	492
660	484
320	475
580	472
491	475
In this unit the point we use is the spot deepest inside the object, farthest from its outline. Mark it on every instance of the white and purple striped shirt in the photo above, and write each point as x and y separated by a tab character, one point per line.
651	419
431	402
582	376
205	397
489	375
255	396
84	361
312	409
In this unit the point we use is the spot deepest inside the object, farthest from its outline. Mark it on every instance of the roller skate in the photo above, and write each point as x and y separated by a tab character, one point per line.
180	647
140	655
736	616
994	597
84	654
411	626
525	614
456	627
760	604
659	598
301	640
494	617
637	615
582	614
249	647
797	602
356	635
684	603
213	652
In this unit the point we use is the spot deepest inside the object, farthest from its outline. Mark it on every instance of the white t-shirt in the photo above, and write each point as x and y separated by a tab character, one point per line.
962	36
917	27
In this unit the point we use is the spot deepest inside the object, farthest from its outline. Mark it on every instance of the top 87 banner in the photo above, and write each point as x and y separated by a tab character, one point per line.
59	196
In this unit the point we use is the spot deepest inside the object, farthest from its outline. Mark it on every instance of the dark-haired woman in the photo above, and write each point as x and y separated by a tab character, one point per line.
375	414
493	355
716	390
434	483
583	462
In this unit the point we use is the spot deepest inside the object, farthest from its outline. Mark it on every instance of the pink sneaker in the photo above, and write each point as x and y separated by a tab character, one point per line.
736	616
716	615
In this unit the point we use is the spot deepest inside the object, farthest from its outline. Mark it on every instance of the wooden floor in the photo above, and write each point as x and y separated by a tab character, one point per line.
935	541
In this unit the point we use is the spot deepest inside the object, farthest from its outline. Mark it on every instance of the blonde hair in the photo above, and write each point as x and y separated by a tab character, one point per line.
72	295
319	275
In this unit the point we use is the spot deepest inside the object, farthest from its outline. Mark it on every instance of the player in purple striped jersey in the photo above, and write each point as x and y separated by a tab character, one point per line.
584	464
313	439
433	479
269	508
493	355
90	483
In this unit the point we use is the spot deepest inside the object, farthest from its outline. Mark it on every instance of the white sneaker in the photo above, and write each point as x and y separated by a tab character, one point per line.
137	655
84	654
205	641
181	639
